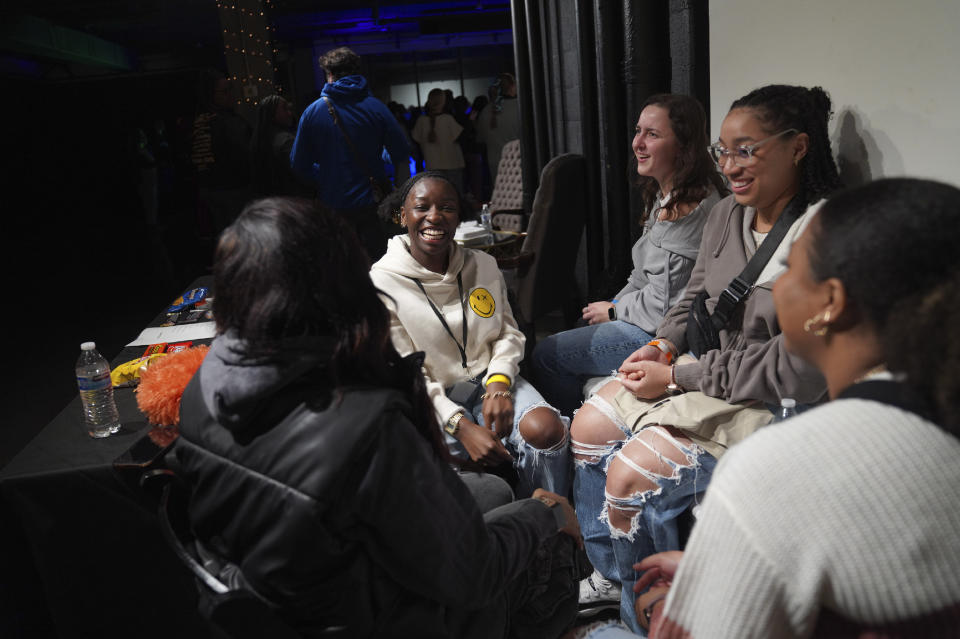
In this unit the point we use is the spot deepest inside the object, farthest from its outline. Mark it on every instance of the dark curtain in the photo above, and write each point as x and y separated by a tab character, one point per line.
584	67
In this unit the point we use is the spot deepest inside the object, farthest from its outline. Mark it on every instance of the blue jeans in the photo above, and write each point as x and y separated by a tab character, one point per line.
654	515
563	362
536	468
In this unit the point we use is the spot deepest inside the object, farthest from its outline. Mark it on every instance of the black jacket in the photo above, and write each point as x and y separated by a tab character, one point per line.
336	510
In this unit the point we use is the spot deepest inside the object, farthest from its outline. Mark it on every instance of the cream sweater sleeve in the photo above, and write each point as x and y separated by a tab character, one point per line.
726	587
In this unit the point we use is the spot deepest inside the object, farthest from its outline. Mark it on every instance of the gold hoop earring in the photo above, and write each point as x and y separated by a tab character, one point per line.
819	317
397	217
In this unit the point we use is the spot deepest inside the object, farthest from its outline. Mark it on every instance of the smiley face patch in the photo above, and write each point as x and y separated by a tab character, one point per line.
481	301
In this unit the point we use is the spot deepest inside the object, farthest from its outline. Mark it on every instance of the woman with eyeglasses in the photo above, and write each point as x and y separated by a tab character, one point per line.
658	431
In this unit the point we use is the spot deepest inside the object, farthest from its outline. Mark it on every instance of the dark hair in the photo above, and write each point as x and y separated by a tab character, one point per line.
478	103
340	62
780	107
695	170
288	268
392	203
893	243
261	144
206	85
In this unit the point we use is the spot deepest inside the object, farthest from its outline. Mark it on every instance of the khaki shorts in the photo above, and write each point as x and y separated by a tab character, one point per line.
713	423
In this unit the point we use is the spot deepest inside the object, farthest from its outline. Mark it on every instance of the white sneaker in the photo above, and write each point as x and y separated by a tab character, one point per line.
597	593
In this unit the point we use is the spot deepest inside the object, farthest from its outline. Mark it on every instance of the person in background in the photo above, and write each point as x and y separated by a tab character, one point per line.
499	122
651	438
341	156
679	185
437	132
472	156
451	303
319	477
842	521
219	150
270	150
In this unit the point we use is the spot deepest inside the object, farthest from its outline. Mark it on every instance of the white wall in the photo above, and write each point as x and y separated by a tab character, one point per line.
890	67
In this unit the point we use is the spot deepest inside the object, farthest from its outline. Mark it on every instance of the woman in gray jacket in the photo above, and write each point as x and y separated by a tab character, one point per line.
645	445
679	186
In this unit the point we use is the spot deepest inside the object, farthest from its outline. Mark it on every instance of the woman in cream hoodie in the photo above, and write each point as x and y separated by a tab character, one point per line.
451	304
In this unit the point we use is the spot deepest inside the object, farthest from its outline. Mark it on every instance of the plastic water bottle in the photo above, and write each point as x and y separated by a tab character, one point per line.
486	223
788	408
96	392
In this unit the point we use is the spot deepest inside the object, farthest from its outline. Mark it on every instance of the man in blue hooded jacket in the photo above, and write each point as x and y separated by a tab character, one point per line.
322	155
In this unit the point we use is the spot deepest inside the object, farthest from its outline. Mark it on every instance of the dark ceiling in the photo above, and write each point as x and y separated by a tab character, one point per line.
130	36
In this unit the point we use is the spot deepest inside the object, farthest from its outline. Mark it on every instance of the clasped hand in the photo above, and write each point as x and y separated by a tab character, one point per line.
645	373
658	573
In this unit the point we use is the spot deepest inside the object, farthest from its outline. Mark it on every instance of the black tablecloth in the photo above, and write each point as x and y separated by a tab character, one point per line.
82	552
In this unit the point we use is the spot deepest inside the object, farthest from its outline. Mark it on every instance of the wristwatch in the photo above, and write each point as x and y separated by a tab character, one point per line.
453	425
673	388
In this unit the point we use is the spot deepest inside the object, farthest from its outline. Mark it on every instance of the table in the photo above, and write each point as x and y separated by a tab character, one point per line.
82	554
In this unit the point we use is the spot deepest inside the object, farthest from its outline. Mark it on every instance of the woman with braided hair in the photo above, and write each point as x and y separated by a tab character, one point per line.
646	443
451	303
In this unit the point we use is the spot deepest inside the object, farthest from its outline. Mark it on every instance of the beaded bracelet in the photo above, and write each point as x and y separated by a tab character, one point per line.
505	393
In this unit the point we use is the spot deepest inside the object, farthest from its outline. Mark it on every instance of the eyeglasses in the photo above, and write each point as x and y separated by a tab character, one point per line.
742	155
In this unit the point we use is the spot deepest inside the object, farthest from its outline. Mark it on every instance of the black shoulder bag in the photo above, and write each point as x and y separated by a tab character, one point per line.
703	329
381	188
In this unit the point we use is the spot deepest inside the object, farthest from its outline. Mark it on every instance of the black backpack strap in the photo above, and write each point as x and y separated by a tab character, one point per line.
738	288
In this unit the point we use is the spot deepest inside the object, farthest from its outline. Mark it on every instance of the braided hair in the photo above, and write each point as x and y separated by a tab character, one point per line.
912	302
389	208
780	107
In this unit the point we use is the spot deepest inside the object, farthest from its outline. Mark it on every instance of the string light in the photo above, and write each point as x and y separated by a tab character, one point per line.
248	46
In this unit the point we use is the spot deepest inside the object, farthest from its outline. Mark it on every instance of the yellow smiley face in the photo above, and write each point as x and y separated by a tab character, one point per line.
481	301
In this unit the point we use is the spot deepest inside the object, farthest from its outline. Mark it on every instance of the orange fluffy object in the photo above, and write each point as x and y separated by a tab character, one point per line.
161	385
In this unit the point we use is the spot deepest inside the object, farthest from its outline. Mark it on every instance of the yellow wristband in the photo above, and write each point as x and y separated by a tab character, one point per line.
498	378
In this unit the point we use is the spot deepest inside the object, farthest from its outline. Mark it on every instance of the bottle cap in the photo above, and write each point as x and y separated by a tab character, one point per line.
88	346
787	402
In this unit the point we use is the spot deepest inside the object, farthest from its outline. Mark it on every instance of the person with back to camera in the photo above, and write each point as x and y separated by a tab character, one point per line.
680	185
319	477
451	303
842	521
339	146
655	433
437	132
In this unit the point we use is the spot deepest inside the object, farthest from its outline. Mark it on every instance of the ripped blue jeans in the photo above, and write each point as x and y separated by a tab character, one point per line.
549	469
653	514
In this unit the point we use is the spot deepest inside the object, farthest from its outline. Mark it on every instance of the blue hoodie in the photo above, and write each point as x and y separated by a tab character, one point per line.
321	155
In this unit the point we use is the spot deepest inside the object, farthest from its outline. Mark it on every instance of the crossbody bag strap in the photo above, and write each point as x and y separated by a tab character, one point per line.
738	288
353	150
463	309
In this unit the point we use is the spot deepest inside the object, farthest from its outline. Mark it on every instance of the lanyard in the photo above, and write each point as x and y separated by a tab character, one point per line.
463	308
